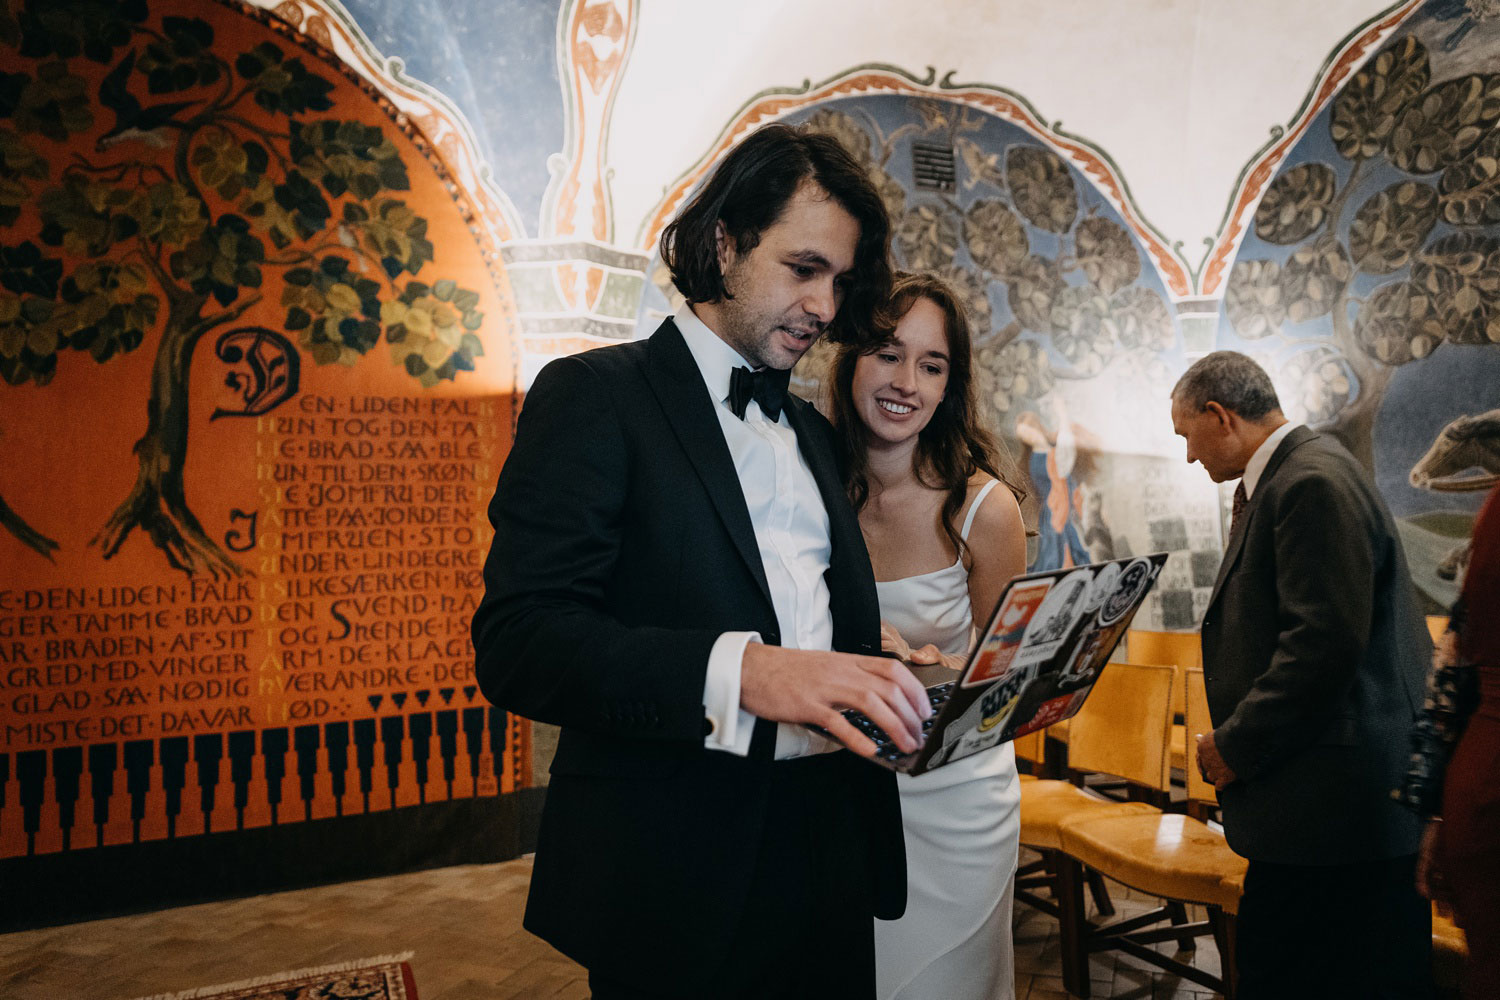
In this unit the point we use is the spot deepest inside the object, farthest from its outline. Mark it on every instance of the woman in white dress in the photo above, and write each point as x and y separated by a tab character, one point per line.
943	542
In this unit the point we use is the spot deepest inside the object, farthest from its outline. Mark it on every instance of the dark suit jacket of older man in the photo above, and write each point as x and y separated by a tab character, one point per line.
1314	655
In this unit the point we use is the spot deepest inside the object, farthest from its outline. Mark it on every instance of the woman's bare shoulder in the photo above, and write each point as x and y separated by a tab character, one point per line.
998	516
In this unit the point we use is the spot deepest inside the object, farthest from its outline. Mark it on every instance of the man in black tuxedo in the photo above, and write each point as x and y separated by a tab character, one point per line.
1314	656
674	560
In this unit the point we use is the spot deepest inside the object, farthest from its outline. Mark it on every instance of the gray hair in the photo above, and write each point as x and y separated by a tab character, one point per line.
1230	379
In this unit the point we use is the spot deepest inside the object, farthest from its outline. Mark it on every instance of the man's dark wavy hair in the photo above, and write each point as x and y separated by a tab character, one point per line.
749	191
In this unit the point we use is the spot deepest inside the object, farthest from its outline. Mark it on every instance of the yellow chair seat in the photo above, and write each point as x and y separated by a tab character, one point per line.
1448	936
1168	855
1045	804
1234	888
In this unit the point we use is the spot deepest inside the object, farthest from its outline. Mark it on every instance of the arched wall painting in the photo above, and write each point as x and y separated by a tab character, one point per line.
258	362
1369	284
1076	339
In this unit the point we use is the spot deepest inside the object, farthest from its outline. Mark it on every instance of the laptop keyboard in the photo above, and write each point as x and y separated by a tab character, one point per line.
885	749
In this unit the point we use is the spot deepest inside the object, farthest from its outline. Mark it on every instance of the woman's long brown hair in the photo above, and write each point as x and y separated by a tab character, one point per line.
955	443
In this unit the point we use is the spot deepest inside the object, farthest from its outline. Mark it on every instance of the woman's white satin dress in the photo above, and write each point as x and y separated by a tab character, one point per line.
962	826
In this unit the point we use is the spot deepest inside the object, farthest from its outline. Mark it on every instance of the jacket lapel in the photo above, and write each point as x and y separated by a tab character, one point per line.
1295	439
674	377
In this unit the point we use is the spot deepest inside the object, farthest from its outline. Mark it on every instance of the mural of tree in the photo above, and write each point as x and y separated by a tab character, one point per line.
213	176
1019	228
1413	266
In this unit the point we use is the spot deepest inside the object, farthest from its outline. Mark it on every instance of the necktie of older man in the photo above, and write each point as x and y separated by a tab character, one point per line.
767	387
1240	499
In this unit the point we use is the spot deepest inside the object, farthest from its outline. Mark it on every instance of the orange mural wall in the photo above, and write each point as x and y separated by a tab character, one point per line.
259	375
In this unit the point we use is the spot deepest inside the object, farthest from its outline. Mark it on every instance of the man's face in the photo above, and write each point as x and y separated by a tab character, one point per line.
1210	440
789	286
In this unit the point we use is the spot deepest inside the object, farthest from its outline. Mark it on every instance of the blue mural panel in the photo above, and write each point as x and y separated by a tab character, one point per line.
1369	284
497	62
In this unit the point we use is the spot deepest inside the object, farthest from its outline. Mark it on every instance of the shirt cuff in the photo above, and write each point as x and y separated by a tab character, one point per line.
799	741
730	726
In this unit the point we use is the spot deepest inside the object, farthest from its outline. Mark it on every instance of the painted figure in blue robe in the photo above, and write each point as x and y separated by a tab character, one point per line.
1050	461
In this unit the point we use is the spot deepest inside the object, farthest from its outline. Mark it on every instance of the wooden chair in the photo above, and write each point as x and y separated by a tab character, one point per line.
1202	796
1031	750
1121	730
1056	738
1176	857
1183	650
1176	649
1157	649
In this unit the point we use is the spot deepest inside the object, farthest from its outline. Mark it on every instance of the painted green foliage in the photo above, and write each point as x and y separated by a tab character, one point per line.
213	174
1434	149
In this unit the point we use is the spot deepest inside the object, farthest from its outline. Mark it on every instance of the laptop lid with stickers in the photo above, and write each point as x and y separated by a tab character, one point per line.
1043	648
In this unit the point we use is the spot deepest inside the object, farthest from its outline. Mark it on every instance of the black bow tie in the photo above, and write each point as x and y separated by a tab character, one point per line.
767	387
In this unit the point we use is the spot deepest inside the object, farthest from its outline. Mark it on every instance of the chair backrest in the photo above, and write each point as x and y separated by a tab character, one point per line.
1123	727
1032	747
1196	713
1183	650
1436	626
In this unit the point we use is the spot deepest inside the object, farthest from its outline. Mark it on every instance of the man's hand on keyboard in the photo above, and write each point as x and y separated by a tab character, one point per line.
810	686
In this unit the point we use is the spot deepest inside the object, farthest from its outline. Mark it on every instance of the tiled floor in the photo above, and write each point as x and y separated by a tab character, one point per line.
464	925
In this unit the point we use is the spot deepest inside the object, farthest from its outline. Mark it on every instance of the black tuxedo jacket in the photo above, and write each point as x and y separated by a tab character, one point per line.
1314	656
623	549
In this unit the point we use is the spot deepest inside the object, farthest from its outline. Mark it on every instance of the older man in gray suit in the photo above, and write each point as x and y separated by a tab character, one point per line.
1314	655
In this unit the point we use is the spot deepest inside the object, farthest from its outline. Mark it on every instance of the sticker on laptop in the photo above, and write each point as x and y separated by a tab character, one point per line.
983	723
997	704
1135	578
1021	605
1103	586
1052	711
1090	656
1054	622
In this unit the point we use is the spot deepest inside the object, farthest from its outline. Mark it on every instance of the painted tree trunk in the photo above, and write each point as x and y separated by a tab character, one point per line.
157	503
1354	427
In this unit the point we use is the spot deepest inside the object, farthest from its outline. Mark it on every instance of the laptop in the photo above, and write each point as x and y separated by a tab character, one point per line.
1045	645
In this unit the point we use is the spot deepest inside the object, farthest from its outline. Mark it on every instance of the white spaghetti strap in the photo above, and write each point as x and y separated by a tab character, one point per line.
984	491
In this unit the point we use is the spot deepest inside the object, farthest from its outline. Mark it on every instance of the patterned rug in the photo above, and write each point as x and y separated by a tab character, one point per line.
385	978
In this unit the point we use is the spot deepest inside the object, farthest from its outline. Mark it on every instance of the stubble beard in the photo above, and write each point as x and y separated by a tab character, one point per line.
746	329
752	331
744	333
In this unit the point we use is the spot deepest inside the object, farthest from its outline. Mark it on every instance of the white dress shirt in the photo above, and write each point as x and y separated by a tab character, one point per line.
1257	464
792	533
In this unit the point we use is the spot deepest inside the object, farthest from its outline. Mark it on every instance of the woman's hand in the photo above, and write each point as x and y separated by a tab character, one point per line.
925	656
891	642
1431	882
930	655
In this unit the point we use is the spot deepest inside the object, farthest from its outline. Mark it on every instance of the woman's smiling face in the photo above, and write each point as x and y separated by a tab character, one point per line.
898	386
